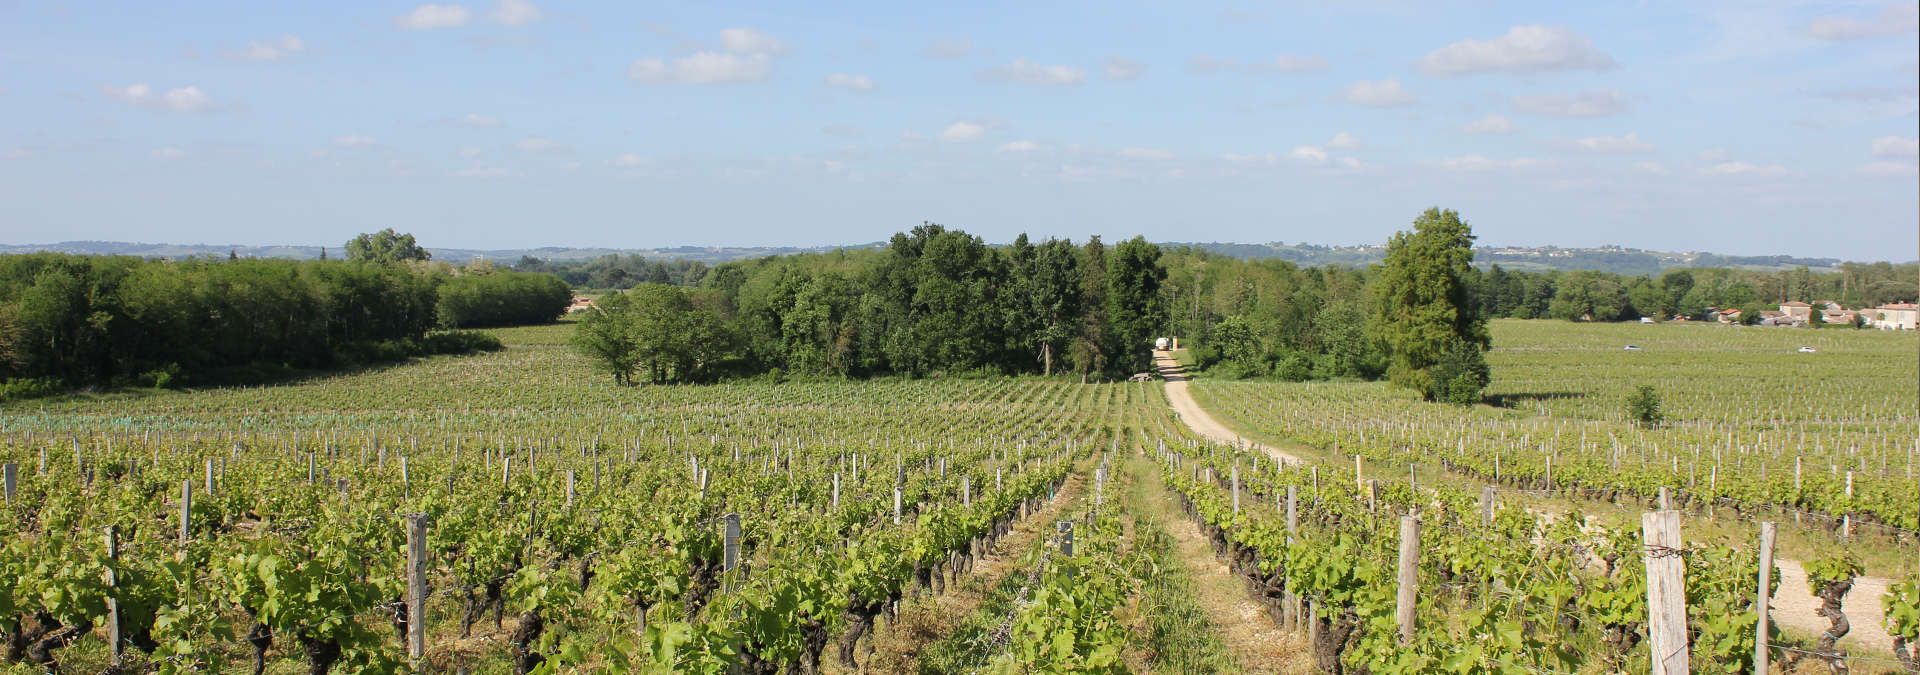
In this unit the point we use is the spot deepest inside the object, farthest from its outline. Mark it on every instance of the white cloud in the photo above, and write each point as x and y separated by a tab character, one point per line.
471	152
1897	19
429	17
1308	153
1023	71
1884	169
182	99
746	56
750	41
1655	168
1145	153
516	13
1292	64
483	172
280	49
19	153
1020	146
1491	124
1343	141
167	153
1350	163
702	68
949	49
962	132
1378	94
629	160
1628	143
843	131
850	82
1524	49
1745	169
1284	63
1118	68
1479	163
354	141
1237	158
478	121
1896	146
1595	103
537	144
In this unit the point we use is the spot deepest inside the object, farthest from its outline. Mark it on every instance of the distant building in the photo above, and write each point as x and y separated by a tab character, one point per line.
1727	316
1800	311
1895	316
581	303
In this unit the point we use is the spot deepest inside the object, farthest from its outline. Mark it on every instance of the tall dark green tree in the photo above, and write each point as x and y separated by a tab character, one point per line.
1424	310
385	246
1134	275
1046	299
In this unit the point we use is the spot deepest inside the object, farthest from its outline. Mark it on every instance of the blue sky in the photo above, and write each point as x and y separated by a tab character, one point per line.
1738	127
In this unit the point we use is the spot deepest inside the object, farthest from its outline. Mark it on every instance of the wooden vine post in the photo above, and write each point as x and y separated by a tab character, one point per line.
416	588
730	547
1760	603
1666	592
10	476
113	603
1407	601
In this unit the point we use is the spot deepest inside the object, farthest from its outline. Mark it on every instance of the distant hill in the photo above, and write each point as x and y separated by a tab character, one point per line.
706	254
1540	258
1606	258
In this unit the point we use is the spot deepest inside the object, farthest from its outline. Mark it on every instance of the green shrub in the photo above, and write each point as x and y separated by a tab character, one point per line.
1643	407
462	342
20	388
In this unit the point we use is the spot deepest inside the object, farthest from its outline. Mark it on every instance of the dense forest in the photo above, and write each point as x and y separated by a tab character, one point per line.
70	320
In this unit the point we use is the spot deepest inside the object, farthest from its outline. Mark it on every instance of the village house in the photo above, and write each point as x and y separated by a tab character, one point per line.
581	303
1894	316
1799	311
1727	315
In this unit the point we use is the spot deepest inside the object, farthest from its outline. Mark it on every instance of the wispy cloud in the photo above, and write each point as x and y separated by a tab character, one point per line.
1595	103
1745	169
850	82
1524	49
1896	146
1898	18
430	17
1285	63
515	13
1613	144
963	132
181	99
1491	124
746	56
1117	68
1378	94
1022	71
278	49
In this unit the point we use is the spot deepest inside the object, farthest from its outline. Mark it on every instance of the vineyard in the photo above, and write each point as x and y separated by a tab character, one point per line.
512	512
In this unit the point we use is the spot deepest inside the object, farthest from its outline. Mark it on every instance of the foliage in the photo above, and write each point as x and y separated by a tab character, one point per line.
656	334
1424	309
1643	407
502	298
385	247
1832	569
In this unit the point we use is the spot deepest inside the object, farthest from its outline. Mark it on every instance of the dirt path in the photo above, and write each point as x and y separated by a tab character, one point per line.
1243	625
896	648
1793	604
1195	417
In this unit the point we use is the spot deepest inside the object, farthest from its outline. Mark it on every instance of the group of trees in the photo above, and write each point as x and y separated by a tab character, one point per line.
71	320
1603	296
1415	318
933	302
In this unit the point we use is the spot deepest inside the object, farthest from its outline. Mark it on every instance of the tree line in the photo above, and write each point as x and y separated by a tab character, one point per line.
940	302
933	302
1603	296
72	320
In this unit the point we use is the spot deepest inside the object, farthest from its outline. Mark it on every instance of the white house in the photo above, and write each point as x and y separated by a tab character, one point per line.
1894	316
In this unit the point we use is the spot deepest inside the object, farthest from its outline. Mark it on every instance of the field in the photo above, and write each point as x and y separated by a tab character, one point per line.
919	525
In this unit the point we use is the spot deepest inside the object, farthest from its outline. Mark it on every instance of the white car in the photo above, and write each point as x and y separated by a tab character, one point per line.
1807	350
1633	348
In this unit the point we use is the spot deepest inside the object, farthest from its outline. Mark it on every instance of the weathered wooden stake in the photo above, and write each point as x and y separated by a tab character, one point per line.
1760	603
1486	505
1066	537
113	602
10	479
416	586
186	509
1406	602
730	547
1666	592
